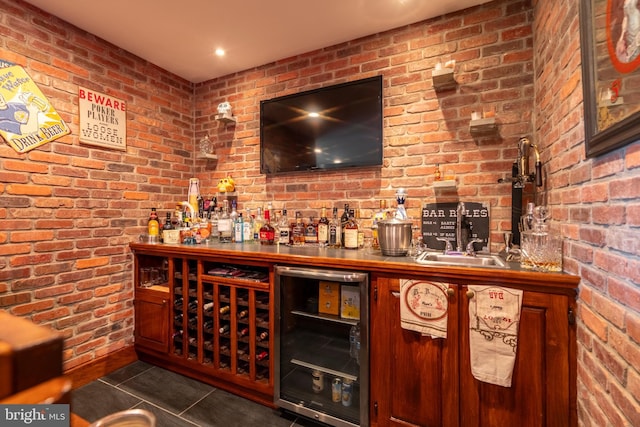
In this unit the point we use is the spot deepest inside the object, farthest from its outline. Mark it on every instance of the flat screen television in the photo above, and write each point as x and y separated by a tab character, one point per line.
333	127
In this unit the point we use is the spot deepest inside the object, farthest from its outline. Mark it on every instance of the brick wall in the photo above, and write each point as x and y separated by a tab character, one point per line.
492	46
598	202
67	210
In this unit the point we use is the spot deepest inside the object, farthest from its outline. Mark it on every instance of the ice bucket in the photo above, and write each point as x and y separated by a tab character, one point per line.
394	236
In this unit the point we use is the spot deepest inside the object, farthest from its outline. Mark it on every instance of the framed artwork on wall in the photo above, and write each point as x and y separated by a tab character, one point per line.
610	38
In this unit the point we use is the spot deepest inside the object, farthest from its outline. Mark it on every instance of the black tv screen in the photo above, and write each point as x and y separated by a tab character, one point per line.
333	127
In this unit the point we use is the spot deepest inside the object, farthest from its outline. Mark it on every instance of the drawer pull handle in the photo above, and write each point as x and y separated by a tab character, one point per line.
451	292
470	294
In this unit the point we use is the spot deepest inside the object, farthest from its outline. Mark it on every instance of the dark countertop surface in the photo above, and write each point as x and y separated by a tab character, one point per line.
368	260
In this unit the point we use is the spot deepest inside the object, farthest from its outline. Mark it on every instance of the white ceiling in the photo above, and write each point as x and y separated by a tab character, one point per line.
181	37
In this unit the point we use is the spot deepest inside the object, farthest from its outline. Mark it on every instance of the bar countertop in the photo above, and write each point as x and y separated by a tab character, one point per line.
367	260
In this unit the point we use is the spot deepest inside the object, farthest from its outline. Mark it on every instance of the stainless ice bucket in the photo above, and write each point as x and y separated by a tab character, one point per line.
394	236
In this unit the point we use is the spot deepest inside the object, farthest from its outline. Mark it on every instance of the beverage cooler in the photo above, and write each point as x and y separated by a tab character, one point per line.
321	344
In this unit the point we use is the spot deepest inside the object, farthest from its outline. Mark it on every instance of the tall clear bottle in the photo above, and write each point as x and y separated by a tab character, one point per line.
360	230
238	229
258	222
335	231
225	227
247	231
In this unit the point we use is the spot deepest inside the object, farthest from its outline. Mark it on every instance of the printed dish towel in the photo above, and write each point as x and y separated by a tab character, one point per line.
494	317
424	307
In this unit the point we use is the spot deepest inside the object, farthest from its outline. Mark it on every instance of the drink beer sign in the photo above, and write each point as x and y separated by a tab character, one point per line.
27	119
102	119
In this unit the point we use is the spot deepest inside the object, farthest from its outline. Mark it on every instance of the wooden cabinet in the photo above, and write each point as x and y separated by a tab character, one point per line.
152	319
540	392
209	318
420	381
413	377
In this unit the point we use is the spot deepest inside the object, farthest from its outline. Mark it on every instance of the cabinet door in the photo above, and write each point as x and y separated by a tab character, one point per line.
413	378
152	320
540	390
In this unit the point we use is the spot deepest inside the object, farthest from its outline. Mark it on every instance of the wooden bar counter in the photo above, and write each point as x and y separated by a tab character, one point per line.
414	380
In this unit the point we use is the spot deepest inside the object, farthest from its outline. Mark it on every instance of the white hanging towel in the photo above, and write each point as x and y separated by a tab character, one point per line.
494	316
424	307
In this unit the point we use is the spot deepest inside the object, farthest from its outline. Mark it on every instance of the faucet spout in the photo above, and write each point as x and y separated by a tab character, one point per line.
460	213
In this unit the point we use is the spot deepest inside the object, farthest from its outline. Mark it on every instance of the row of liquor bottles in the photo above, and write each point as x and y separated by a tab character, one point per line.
231	226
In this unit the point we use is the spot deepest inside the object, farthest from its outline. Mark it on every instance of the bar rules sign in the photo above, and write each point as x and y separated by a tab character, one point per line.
102	119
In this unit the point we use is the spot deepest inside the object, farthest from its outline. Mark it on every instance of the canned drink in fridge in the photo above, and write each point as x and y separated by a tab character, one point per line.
347	392
318	381
336	390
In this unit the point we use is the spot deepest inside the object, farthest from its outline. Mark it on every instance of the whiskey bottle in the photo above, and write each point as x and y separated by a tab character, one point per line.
153	226
267	232
310	232
334	230
323	228
380	215
351	232
297	232
284	231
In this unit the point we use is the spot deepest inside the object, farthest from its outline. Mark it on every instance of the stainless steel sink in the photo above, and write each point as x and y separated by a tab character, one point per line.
438	258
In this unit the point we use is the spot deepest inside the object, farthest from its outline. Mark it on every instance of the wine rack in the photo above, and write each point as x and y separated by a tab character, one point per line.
222	318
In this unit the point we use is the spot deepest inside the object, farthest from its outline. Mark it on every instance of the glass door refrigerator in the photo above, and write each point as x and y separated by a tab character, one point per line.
321	344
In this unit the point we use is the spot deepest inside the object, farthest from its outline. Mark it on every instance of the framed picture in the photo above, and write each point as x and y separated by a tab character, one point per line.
610	37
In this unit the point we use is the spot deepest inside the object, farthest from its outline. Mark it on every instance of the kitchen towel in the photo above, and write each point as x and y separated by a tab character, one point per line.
494	317
424	307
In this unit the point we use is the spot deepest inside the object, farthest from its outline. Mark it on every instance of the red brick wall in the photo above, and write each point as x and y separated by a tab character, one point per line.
68	211
492	46
598	202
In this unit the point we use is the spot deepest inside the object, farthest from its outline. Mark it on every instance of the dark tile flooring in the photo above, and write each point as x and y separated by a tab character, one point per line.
175	400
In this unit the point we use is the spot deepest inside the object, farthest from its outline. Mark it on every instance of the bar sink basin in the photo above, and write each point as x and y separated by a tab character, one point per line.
438	258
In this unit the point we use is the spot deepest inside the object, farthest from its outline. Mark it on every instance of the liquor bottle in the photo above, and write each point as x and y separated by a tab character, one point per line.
192	306
178	303
323	228
351	232
224	329
267	232
225	309
258	222
208	325
167	222
310	232
360	230
233	216
177	218
224	224
334	230
380	215
194	193
213	220
263	336
153	226
436	174
247	233
297	232
238	228
192	323
262	355
284	232
244	331
343	221
243	314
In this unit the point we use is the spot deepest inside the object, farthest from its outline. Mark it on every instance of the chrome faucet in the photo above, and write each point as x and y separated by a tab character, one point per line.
460	241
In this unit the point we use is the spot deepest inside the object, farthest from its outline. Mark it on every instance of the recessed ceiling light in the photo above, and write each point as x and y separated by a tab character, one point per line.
220	52
314	115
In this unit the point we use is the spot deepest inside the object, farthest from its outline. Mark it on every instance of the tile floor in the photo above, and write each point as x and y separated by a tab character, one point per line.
175	400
